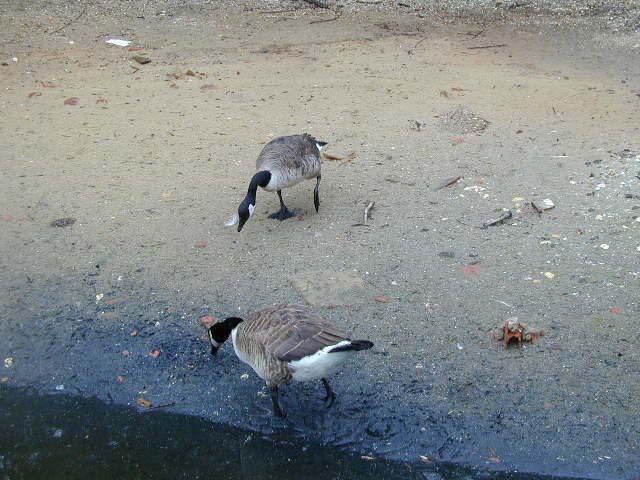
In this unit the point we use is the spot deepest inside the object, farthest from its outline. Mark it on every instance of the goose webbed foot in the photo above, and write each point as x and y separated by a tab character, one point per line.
282	214
277	408
331	395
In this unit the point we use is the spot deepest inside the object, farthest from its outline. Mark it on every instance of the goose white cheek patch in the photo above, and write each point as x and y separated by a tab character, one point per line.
319	146
251	209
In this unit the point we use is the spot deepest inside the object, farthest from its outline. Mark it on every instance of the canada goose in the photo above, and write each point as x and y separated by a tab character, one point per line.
285	342
282	163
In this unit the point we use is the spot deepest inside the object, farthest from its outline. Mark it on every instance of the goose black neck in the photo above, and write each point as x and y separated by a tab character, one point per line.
260	179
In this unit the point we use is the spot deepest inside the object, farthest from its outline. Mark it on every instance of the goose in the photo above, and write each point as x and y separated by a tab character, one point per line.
287	342
282	163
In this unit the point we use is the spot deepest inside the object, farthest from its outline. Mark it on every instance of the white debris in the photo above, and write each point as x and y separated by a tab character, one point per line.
600	186
233	219
550	275
546	204
244	376
604	246
59	388
118	42
99	297
57	433
8	362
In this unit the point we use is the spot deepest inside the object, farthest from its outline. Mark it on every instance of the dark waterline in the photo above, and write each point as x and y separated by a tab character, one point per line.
57	436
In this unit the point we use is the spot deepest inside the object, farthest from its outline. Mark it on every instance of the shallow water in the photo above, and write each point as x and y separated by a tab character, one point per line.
57	436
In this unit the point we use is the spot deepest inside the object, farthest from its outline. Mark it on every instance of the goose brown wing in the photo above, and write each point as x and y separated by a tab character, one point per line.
288	152
295	332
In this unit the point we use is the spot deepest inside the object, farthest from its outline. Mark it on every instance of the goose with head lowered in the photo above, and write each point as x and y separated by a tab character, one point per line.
282	163
287	342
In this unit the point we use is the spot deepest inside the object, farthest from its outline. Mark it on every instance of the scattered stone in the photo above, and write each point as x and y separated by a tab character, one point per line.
543	205
447	254
143	402
497	221
448	182
141	59
461	120
550	275
326	287
63	222
382	299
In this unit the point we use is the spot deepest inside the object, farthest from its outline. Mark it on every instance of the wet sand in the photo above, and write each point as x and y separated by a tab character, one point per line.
152	161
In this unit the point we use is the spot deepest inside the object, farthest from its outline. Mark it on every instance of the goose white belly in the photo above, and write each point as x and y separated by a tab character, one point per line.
321	364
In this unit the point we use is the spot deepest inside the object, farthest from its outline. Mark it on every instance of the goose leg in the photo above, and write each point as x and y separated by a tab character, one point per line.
277	409
331	395
316	194
284	212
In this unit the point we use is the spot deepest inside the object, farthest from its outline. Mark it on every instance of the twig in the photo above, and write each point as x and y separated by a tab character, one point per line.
488	46
84	10
278	11
156	407
336	16
496	221
366	211
410	52
447	182
317	3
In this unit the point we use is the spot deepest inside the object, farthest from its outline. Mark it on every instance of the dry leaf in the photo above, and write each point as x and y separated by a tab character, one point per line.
494	459
332	156
547	405
382	299
200	244
155	353
207	321
133	333
102	100
34	94
125	353
143	402
47	84
457	140
208	86
72	101
471	271
136	48
616	310
444	93
119	379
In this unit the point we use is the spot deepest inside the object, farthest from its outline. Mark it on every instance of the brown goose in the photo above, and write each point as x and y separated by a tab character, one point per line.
286	342
283	162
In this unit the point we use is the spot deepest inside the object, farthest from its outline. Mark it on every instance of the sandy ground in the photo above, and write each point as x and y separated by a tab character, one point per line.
151	161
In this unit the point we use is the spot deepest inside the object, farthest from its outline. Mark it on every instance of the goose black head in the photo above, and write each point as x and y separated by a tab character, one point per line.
245	210
248	205
220	331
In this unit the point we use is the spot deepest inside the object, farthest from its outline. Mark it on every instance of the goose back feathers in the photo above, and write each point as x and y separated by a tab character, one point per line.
290	160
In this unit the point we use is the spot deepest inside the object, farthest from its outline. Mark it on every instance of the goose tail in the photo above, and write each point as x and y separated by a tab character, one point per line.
353	345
